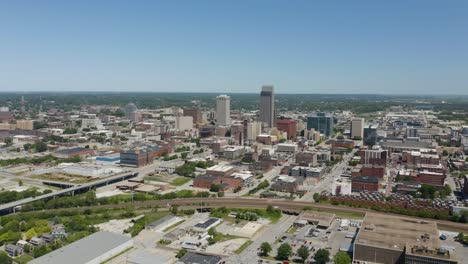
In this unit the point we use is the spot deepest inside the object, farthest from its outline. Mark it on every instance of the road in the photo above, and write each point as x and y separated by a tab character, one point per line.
328	179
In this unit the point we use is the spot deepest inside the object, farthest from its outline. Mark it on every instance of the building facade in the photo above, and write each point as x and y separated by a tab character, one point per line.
321	122
357	128
223	110
267	106
289	126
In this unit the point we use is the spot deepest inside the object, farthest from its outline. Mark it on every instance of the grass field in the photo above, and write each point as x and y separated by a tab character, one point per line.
180	181
243	247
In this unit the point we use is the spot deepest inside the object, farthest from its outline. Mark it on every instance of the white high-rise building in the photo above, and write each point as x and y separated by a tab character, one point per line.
267	106
223	110
253	130
357	128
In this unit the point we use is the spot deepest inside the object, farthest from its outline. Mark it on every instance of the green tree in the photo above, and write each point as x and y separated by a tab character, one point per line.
31	233
8	141
322	256
215	188
4	258
265	248
40	146
316	197
181	253
284	251
303	253
342	258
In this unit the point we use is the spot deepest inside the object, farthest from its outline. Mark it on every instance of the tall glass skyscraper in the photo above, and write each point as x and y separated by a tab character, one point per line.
267	106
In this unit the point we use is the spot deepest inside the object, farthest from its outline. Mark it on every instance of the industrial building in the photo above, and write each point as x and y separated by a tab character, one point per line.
93	249
393	239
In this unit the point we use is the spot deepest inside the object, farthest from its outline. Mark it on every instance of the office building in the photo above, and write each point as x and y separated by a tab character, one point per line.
130	109
357	128
223	110
195	113
25	124
253	130
321	122
289	126
183	122
267	106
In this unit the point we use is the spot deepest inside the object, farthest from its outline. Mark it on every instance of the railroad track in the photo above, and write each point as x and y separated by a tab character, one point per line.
284	205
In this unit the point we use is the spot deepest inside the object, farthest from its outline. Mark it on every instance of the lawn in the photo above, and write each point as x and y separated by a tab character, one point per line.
180	181
243	247
25	258
292	230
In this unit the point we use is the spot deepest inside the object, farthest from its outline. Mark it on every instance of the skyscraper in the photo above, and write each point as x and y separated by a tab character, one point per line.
223	110
357	128
267	106
130	109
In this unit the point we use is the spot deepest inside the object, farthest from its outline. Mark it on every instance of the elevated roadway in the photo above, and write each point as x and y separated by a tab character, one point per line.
13	206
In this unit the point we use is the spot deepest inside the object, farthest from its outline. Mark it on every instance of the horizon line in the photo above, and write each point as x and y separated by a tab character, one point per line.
191	92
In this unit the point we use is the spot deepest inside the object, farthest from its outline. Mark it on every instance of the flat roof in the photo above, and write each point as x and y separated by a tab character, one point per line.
395	232
161	221
197	258
207	223
220	168
85	249
323	219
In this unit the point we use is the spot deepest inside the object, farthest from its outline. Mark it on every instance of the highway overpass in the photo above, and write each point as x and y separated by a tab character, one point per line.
13	206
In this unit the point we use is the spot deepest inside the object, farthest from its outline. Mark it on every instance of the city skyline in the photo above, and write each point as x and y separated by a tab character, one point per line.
336	48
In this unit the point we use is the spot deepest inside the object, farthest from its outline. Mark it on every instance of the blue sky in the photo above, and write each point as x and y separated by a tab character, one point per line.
385	47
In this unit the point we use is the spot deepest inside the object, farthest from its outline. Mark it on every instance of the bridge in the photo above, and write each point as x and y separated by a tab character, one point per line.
71	190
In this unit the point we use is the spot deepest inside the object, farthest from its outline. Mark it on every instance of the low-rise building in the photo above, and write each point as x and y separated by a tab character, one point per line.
233	152
14	250
300	171
285	147
220	170
392	239
72	152
197	258
364	183
93	249
306	158
206	225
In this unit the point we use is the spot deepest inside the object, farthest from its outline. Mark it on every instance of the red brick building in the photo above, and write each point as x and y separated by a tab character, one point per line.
373	171
341	143
225	183
364	183
369	171
431	178
289	126
68	153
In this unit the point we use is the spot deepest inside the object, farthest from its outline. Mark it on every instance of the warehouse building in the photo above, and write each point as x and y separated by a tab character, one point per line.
93	249
393	239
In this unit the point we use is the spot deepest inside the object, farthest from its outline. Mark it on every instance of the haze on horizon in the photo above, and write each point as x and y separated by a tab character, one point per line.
372	47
